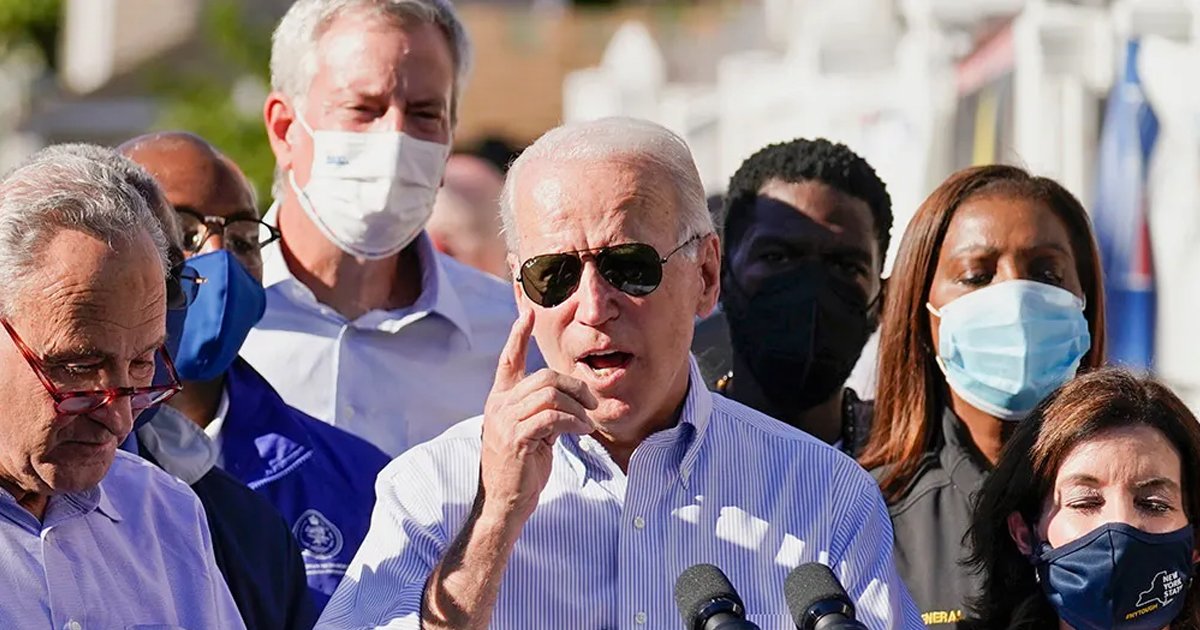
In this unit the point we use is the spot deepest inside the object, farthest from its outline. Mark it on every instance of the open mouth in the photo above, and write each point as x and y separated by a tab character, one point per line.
601	361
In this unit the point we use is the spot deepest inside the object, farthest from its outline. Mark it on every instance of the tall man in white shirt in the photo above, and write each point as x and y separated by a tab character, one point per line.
367	327
586	488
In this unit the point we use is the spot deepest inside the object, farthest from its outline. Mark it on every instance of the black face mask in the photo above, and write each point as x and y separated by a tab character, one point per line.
799	335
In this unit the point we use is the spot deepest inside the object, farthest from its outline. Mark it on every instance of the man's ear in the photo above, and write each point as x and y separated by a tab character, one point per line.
709	255
278	115
1020	532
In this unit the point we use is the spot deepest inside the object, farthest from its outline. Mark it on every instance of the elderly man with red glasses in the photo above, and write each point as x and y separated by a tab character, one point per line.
585	489
91	537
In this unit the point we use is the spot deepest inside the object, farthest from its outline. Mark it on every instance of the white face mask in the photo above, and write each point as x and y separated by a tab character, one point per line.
372	193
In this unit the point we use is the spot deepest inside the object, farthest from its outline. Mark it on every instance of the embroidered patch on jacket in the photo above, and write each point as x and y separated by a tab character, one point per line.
317	535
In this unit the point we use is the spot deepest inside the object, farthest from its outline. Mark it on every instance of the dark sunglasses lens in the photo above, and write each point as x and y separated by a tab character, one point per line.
635	269
550	279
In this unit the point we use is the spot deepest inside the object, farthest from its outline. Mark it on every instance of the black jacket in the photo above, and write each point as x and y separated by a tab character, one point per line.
931	519
256	553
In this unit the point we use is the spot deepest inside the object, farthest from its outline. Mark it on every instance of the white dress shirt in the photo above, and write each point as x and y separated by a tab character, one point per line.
213	429
727	486
395	378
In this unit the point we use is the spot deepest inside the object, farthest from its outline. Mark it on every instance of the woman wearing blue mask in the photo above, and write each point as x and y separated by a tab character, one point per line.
994	301
1086	522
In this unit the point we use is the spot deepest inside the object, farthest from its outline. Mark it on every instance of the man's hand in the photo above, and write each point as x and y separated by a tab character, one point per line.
523	417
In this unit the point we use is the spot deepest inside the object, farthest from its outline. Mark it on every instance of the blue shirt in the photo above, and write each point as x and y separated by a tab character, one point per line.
319	477
134	551
395	378
727	485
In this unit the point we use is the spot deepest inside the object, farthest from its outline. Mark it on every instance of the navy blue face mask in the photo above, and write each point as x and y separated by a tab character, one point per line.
227	306
1118	576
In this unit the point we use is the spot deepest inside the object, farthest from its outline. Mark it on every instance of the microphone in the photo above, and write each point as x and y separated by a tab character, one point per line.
817	600
708	601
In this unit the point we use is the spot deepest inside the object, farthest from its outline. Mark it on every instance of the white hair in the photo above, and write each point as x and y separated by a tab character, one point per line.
66	187
141	180
618	139
294	43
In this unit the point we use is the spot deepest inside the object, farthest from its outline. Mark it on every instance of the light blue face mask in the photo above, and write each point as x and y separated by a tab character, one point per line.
1005	347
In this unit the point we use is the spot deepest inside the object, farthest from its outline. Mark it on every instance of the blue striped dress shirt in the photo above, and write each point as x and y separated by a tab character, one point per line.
727	485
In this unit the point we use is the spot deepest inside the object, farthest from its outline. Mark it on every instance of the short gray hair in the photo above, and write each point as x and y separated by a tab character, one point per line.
618	139
294	43
141	180
66	187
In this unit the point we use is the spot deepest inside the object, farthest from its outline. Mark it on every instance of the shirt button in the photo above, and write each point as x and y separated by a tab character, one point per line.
347	412
72	625
639	523
640	618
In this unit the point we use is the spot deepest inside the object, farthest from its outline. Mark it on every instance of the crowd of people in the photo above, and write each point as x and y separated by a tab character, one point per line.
538	406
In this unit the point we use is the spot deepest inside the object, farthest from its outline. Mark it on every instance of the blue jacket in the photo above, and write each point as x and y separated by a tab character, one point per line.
260	563
321	478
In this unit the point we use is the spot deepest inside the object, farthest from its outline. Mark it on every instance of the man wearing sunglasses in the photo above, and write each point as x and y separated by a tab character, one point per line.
585	489
319	477
90	536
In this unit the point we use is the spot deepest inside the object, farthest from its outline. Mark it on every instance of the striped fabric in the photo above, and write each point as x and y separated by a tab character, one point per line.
727	485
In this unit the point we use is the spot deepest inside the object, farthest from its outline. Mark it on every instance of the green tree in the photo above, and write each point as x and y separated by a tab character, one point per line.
218	93
35	22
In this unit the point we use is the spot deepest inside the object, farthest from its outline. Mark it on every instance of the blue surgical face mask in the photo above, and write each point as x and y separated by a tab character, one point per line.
227	306
1118	576
1005	347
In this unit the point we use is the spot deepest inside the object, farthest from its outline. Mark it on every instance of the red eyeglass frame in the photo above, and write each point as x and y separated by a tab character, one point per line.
101	397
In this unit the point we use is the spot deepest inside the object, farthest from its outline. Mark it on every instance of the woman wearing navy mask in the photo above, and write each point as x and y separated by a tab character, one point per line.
994	301
1086	522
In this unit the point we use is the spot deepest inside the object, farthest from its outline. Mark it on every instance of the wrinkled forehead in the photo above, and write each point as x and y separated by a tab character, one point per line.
88	286
581	204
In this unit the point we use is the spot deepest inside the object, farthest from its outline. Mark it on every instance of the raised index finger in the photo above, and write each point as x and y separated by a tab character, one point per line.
511	368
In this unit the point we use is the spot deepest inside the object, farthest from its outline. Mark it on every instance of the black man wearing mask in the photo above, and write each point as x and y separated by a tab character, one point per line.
806	225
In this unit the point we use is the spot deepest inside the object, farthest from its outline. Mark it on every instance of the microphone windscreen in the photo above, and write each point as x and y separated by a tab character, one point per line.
808	584
697	587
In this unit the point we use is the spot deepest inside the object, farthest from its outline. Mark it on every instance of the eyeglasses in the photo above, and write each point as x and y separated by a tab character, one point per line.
242	235
632	268
77	403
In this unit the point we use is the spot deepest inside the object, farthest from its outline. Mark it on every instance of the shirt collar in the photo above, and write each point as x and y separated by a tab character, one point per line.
178	445
213	429
105	506
687	436
62	507
438	294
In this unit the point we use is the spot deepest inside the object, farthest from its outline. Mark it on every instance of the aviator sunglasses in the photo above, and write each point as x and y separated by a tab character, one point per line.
633	268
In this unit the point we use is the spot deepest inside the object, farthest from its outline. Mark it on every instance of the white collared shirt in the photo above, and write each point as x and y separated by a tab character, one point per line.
727	485
213	430
395	378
